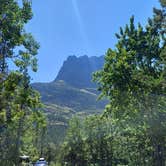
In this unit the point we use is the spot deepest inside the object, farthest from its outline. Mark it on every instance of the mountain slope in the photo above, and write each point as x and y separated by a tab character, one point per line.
64	95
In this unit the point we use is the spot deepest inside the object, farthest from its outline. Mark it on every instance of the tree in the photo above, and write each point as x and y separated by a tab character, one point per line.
163	3
18	101
73	153
133	79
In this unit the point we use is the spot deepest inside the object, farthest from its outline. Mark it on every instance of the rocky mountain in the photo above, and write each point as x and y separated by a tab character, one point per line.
73	86
77	71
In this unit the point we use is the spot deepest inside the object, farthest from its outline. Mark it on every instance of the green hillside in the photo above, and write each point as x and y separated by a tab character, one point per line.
58	118
63	101
64	95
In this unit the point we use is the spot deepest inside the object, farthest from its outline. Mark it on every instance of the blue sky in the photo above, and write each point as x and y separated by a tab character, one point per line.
79	27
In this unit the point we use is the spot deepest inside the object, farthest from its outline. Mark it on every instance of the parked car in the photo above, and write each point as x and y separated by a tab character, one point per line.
41	162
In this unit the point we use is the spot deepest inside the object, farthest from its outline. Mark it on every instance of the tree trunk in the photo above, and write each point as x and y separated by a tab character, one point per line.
18	140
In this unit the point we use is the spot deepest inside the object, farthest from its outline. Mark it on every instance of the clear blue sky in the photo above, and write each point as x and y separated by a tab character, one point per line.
79	27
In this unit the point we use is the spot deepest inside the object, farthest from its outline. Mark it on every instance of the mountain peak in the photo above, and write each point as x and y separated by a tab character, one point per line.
77	71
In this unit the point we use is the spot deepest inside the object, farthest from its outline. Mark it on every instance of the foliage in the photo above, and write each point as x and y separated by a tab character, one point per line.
133	79
20	105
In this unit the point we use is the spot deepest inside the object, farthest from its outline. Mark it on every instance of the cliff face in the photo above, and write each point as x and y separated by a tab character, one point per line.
77	71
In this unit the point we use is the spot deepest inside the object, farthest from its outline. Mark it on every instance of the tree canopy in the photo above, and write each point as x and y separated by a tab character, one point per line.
20	106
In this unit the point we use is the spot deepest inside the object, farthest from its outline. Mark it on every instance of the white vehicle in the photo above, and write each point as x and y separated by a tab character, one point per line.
41	162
